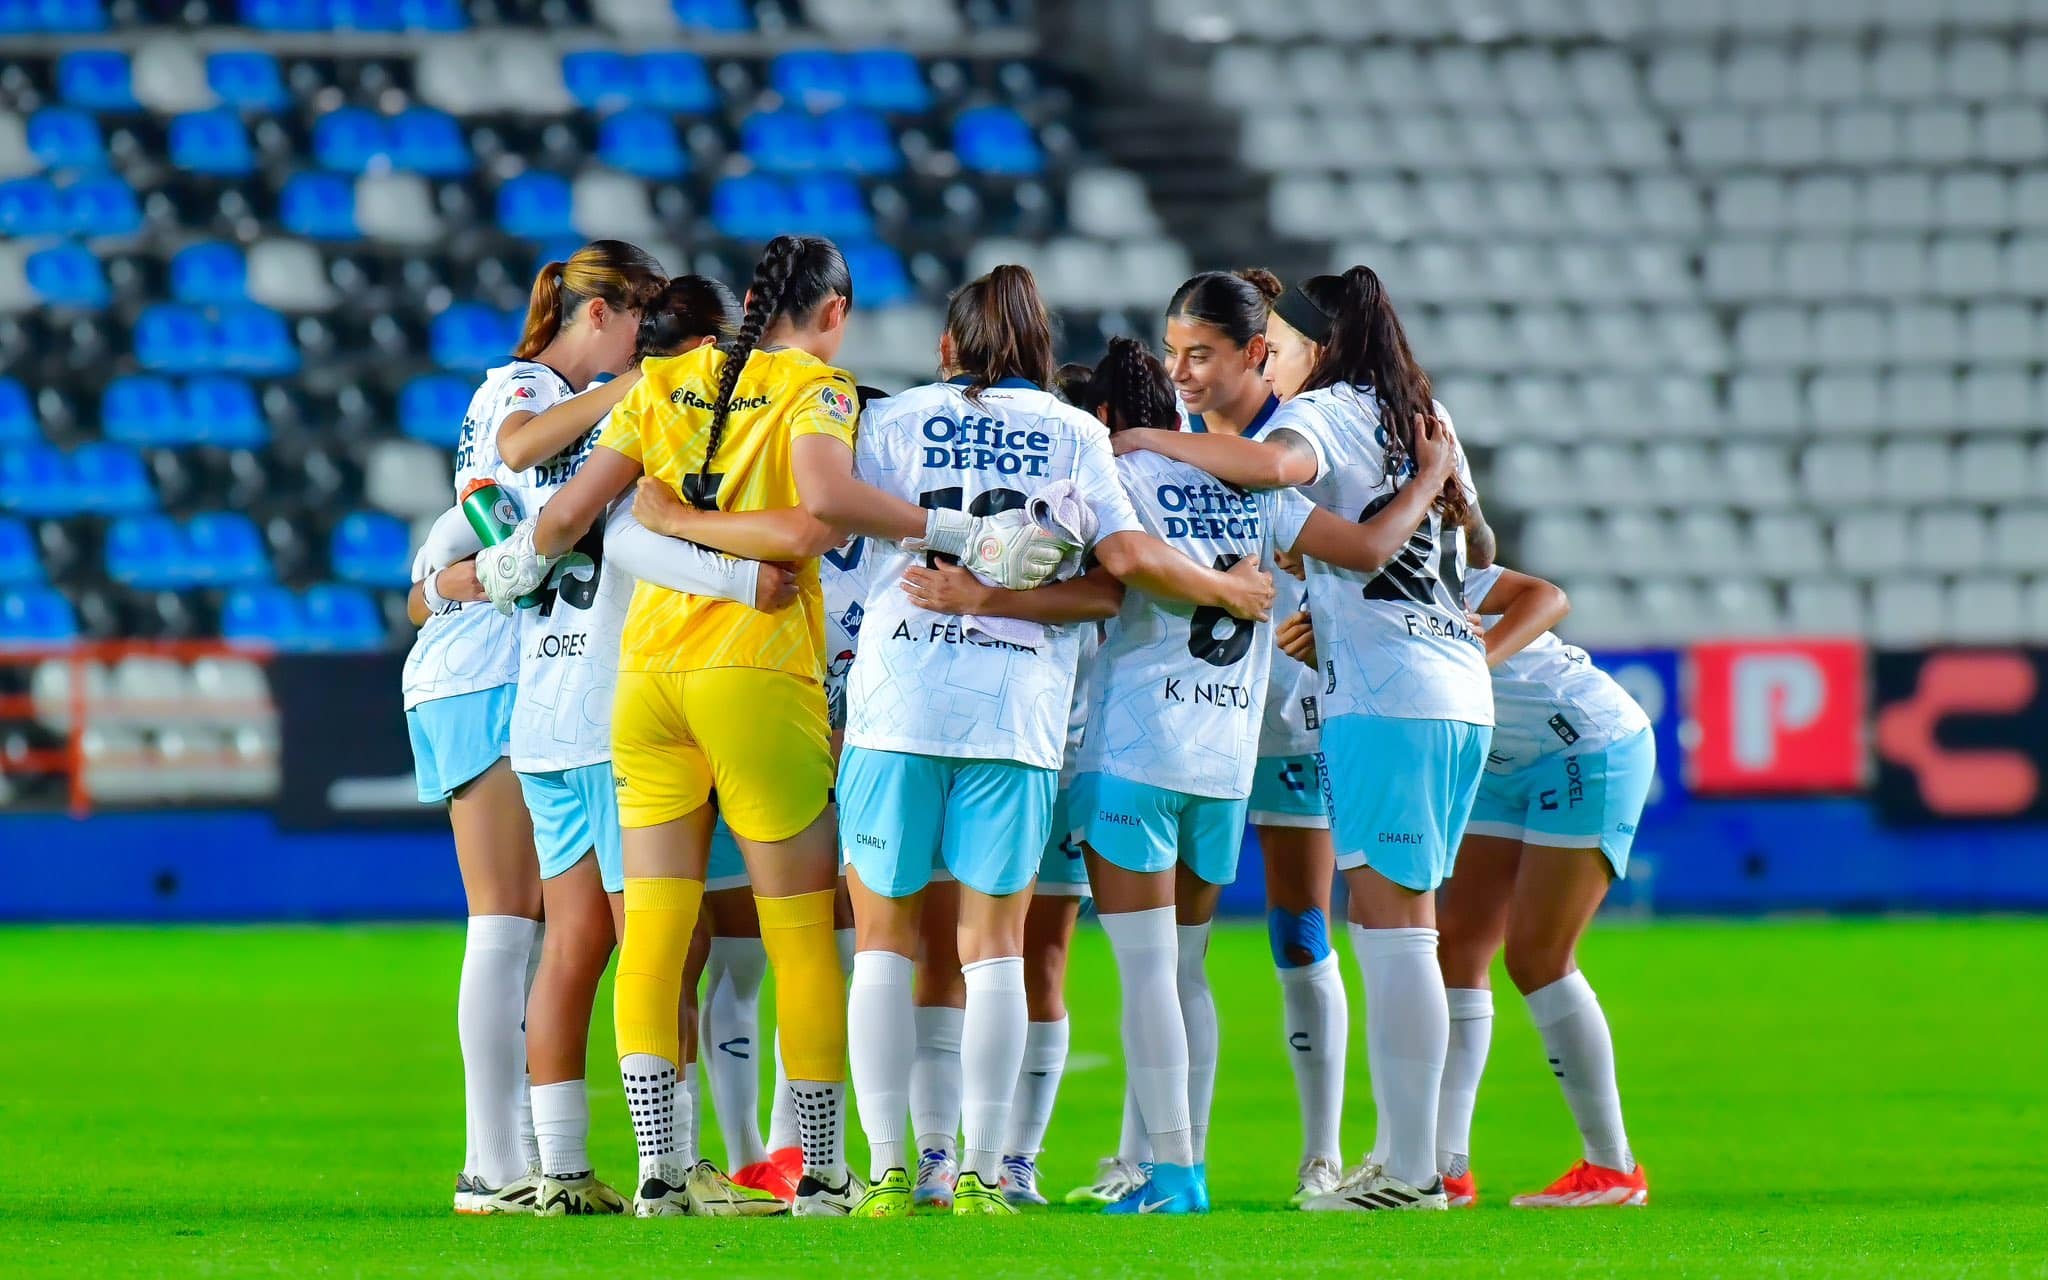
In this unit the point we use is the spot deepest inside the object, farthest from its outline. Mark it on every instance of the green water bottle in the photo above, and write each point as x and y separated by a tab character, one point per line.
494	515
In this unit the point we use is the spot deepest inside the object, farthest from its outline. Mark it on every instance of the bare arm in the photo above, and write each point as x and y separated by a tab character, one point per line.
528	439
832	504
1528	606
1279	461
577	505
948	588
1143	561
456	582
1366	546
1480	545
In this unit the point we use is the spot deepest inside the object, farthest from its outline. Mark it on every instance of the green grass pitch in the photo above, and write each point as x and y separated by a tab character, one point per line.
1811	1097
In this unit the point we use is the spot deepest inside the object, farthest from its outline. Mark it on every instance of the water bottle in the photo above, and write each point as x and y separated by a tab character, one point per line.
493	514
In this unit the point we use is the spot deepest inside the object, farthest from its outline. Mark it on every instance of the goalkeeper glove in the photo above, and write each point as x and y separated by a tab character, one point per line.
1008	548
512	568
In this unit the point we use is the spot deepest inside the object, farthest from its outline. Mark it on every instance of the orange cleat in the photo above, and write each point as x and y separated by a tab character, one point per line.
791	1161
769	1176
1461	1191
1589	1186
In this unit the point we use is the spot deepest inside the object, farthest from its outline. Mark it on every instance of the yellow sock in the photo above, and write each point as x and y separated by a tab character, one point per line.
661	914
810	987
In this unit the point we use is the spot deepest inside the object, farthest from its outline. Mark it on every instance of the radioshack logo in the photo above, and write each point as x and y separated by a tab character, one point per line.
1779	716
1961	734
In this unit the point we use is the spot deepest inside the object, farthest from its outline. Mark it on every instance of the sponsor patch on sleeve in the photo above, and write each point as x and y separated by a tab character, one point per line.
838	405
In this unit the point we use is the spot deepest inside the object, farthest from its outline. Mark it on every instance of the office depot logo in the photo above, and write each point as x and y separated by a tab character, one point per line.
1778	716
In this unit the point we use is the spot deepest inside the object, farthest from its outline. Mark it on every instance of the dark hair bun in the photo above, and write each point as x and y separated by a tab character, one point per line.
1264	281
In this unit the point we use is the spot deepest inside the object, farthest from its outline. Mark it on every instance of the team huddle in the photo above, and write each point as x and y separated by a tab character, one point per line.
728	663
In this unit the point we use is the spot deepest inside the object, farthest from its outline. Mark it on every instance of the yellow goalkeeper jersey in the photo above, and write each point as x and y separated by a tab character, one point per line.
664	424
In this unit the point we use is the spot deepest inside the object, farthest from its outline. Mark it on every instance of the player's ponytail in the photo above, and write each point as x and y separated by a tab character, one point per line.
1132	385
688	309
796	274
624	275
1366	346
1232	302
1000	328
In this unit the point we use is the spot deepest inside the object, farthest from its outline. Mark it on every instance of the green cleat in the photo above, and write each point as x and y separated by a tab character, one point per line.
891	1196
971	1195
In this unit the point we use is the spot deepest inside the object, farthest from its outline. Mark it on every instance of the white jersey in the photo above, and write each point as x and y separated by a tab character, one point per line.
843	573
1180	690
919	684
465	648
1085	675
1394	643
1550	697
1289	727
569	643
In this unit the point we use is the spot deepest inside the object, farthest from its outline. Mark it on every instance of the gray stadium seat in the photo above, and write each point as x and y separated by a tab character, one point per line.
1791	543
1916	472
398	207
1986	610
1871	543
610	204
290	276
408	478
1906	611
168	75
1826	606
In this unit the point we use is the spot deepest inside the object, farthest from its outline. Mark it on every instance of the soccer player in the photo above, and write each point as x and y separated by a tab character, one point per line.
1216	356
1404	679
756	435
582	318
955	725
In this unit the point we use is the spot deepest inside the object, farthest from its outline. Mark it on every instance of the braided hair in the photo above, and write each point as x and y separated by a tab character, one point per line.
1369	348
796	274
1129	382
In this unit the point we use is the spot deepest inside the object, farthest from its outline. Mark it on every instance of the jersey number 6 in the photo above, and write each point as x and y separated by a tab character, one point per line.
1228	648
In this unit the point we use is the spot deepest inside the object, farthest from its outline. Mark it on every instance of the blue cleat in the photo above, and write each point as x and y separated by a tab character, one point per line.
1202	1186
1172	1188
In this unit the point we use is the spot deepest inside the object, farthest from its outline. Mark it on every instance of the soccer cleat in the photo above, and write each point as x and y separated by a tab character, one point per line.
972	1196
659	1198
521	1195
1590	1186
816	1199
1318	1176
1171	1189
1115	1178
577	1195
768	1176
1380	1190
889	1196
1461	1190
790	1160
465	1193
713	1195
936	1174
1020	1181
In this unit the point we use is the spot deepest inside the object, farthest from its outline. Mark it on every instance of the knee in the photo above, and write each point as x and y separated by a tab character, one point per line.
1298	938
1534	963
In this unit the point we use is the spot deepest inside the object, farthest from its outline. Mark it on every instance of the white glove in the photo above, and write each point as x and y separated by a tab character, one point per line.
1008	548
512	568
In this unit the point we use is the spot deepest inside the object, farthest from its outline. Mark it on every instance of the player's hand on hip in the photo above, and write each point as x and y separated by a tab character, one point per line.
774	586
945	588
1251	591
1296	636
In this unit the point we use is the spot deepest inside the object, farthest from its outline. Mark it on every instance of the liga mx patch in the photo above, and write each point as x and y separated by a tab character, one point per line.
523	393
837	403
1310	717
1563	729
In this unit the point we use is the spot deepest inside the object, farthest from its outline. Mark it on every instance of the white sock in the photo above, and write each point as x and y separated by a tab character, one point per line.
561	1124
782	1108
935	1078
1038	1086
1133	1146
688	1111
490	1018
1471	1035
882	1040
650	1084
1407	1030
991	1055
1317	1021
730	1040
529	1145
1155	1037
1581	1049
1198	1012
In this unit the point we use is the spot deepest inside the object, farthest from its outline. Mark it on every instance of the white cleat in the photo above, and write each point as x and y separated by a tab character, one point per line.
521	1195
659	1198
577	1197
713	1195
1115	1179
817	1199
1318	1176
1020	1181
1375	1191
936	1174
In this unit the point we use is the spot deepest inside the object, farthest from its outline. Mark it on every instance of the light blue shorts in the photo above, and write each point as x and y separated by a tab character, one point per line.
728	870
575	811
1287	791
1586	800
985	821
1399	792
1140	827
1062	871
455	739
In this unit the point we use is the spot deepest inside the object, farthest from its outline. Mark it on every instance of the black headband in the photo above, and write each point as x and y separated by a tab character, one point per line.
1300	311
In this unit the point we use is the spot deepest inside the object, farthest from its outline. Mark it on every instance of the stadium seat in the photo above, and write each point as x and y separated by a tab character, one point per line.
18	422
996	140
19	562
714	15
320	206
351	140
213	143
675	80
225	550
36	616
816	80
66	138
879	276
471	336
98	205
535	206
887	80
149	553
786	142
753	206
68	275
221	410
858	142
424	140
371	549
265	617
601	79
341	619
95	80
31	207
246	80
431	408
642	142
209	272
830	206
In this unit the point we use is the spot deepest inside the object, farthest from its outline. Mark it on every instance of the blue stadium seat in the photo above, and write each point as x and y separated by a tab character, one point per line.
285	15
350	140
536	206
209	272
148	552
341	619
785	142
830	206
68	275
997	140
266	617
60	17
254	339
143	410
857	141
425	140
642	142
35	480
212	142
18	421
601	79
676	81
888	80
19	562
470	335
109	479
96	80
814	79
432	15
715	15
247	80
36	616
372	549
364	15
223	549
31	207
319	206
879	276
431	408
221	409
173	336
66	138
752	206
99	205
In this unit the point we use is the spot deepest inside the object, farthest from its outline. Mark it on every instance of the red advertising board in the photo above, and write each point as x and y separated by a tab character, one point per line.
1778	716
